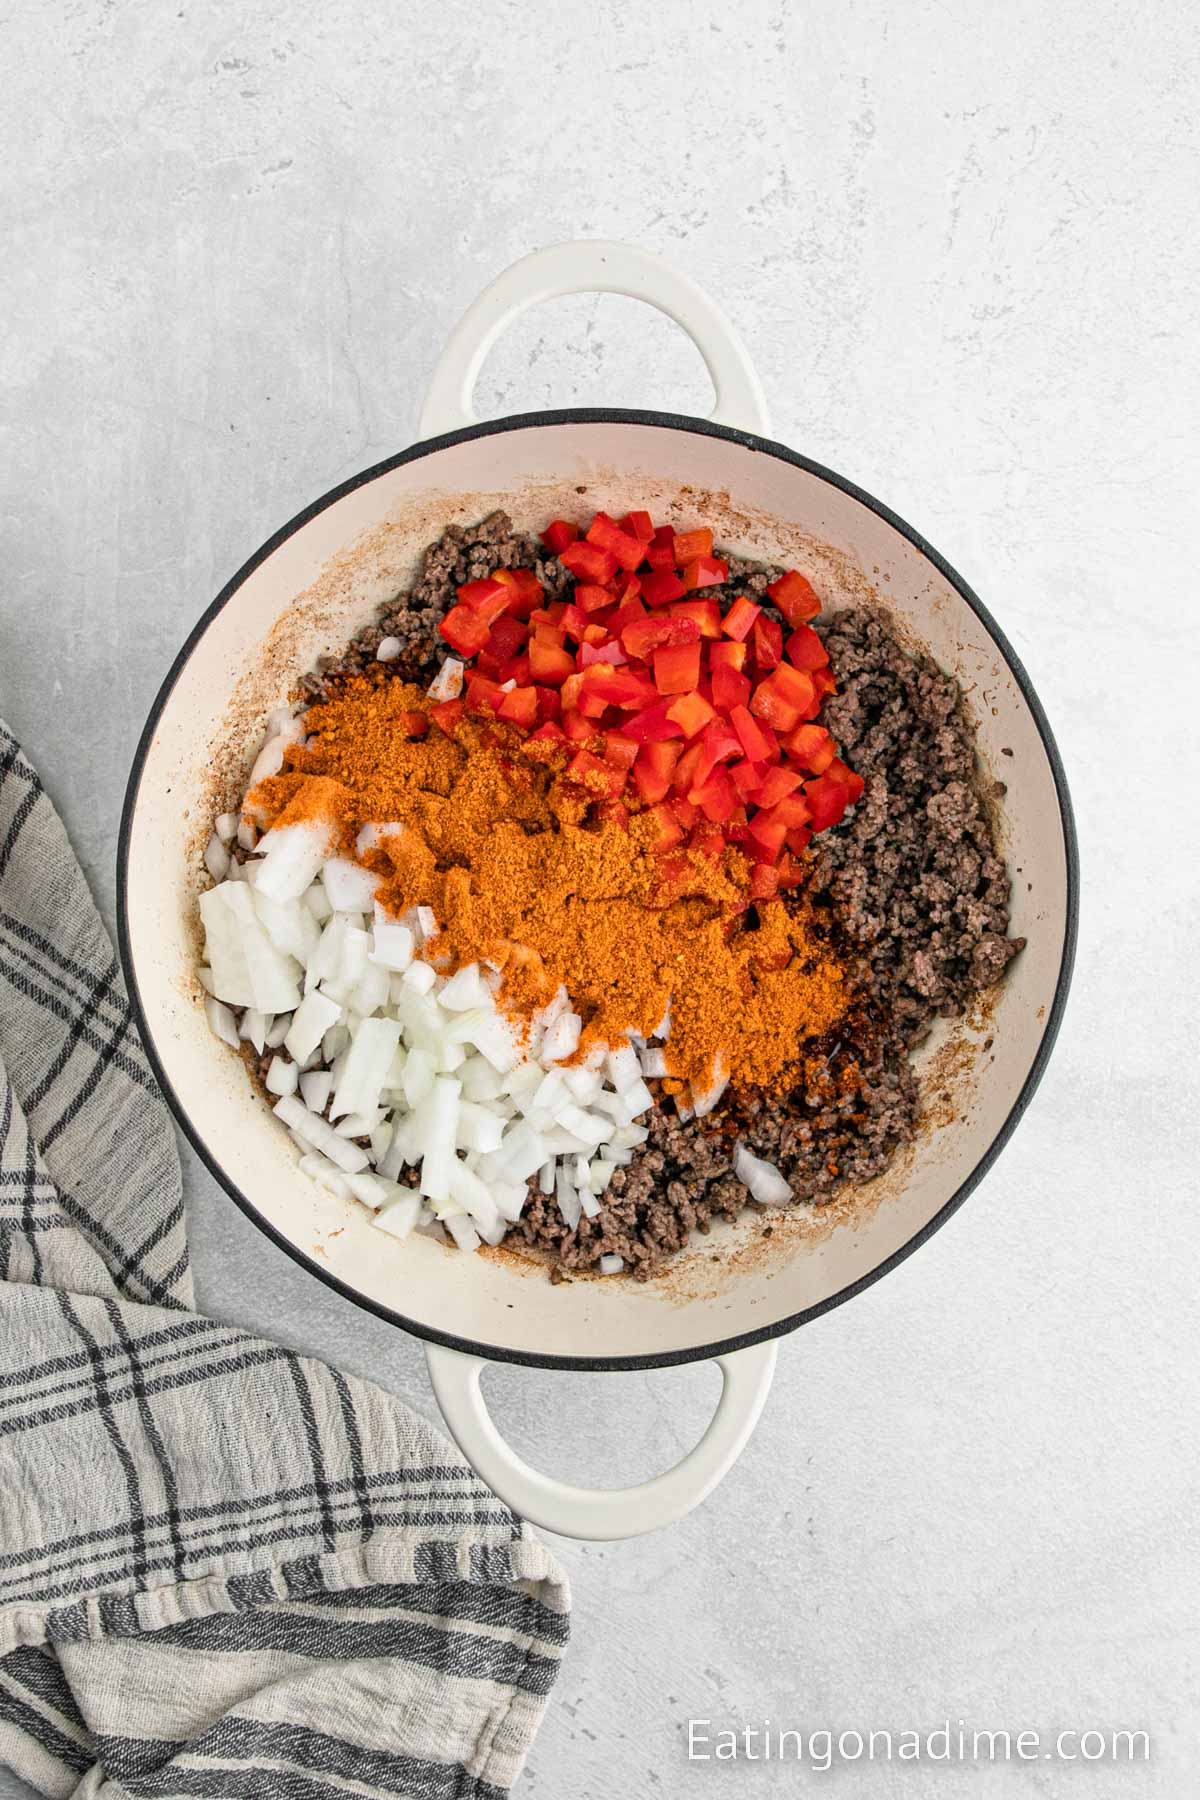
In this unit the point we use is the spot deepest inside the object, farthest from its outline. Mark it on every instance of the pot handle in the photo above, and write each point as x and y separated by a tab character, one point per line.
594	265
602	1513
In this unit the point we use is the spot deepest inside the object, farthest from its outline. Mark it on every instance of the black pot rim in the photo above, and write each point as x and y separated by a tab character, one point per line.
1050	1029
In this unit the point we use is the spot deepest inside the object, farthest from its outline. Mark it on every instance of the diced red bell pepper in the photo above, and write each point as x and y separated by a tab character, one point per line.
506	637
575	727
519	706
771	703
558	534
646	634
768	642
619	687
546	738
412	724
619	750
446	715
721	742
588	562
684	811
706	613
483	695
707	839
827	801
600	777
767	832
776	784
793	809
626	588
691	544
627	550
591	599
608	652
688	772
487	597
464	630
666	829
795	686
654	768
574	622
739	620
638	525
717	798
549	704
755	745
652	725
626	615
823	682
704	571
677	668
732	655
660	586
799	838
805	649
853	784
747	778
591	704
549	664
660	552
730	687
812	747
795	597
615	813
524	588
691	712
515	669
764	882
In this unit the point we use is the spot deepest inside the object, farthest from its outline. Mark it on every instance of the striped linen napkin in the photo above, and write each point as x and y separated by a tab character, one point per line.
225	1569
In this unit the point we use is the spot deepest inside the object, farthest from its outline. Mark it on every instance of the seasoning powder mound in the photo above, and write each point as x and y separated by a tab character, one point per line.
519	874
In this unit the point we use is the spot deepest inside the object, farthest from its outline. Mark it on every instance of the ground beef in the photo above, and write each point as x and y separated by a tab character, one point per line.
910	888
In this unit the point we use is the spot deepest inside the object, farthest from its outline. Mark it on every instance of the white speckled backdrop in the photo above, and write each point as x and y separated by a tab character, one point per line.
961	243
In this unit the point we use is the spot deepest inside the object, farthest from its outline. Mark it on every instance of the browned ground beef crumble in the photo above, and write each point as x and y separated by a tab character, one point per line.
910	886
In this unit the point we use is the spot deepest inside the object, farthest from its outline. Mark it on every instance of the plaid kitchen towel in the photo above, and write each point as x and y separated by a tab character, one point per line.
225	1569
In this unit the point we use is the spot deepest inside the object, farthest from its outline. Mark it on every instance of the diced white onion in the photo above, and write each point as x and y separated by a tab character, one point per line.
389	649
320	1136
350	887
611	1264
216	858
310	1021
447	684
764	1180
314	1089
221	1022
282	1076
226	828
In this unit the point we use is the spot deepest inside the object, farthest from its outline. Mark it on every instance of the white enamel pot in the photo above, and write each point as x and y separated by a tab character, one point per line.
303	594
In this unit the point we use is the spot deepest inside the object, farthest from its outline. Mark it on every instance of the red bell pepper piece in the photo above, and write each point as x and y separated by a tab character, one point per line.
677	668
805	649
652	725
823	682
575	727
464	630
620	751
618	687
525	590
754	743
643	635
827	801
549	704
732	655
716	798
739	620
660	552
549	732
812	747
730	687
600	777
488	597
519	706
777	783
691	544
574	622
793	809
853	784
767	832
793	685
768	642
609	651
515	669
795	597
684	812
446	715
704	571
764	882
798	839
666	829
506	637
638	525
549	663
483	695
660	586
706	613
771	703
588	562
748	778
628	551
688	772
591	599
558	534
691	712
653	769
625	615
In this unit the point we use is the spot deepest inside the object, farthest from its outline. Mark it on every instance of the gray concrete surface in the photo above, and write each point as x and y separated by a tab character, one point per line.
961	244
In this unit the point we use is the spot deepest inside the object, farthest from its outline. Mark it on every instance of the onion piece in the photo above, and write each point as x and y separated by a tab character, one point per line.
225	826
704	1099
764	1180
221	1022
315	1088
310	1021
216	858
388	649
282	1076
463	1232
399	1216
350	887
292	855
253	1028
320	1136
372	1047
611	1264
447	684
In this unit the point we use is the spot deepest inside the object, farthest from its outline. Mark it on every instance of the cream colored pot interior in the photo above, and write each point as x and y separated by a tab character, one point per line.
306	598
